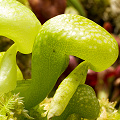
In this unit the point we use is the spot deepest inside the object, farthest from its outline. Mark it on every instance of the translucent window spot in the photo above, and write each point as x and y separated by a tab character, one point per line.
70	28
104	33
75	19
81	33
38	34
63	34
82	29
99	41
90	23
86	32
81	22
73	33
107	36
77	38
67	20
77	29
46	36
94	30
95	39
71	20
114	43
110	50
113	46
92	33
95	47
88	36
68	36
89	92
76	23
70	32
89	26
90	47
97	35
39	38
67	29
105	41
80	99
111	39
83	38
97	26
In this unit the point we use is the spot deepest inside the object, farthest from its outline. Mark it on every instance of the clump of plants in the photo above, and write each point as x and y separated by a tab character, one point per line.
51	44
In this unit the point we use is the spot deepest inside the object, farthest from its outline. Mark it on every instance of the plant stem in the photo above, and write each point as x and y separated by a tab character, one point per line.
76	4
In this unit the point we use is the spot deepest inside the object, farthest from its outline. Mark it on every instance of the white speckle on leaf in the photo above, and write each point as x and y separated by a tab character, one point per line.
95	47
66	20
81	33
71	20
90	47
83	38
97	26
110	50
82	29
107	36
81	23
68	36
104	33
86	32
46	36
73	33
77	29
80	98
97	35
89	26
77	38
76	23
88	36
105	41
111	39
64	34
99	41
113	46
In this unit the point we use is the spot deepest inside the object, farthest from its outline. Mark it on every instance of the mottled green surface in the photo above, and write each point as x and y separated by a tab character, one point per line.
78	36
60	37
84	103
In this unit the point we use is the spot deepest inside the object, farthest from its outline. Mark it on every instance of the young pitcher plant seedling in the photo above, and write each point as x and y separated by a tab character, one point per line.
51	44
